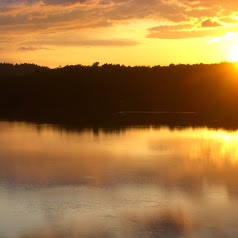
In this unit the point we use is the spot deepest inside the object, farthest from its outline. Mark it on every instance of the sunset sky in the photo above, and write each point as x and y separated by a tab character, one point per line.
130	32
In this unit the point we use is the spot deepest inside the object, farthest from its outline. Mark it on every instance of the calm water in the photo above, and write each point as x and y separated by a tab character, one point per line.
140	182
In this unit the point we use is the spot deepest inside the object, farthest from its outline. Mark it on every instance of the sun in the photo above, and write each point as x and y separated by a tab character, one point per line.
233	54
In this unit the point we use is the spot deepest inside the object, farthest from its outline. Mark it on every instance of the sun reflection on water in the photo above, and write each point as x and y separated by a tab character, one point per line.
136	182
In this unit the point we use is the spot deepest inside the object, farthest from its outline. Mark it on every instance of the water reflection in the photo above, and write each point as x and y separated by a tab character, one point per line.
142	182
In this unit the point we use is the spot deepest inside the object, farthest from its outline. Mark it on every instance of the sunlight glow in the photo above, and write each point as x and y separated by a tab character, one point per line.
233	54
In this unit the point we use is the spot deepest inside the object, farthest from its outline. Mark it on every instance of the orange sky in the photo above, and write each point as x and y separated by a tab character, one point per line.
130	32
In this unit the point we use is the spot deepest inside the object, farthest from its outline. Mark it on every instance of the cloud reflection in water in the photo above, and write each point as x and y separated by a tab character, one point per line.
137	183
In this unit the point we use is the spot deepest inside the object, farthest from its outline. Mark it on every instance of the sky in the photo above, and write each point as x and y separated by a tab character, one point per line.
130	32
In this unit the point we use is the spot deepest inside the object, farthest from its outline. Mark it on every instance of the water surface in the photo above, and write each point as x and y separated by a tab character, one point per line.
137	182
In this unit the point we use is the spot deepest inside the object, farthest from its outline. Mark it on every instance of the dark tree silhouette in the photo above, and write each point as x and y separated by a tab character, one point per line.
108	92
19	69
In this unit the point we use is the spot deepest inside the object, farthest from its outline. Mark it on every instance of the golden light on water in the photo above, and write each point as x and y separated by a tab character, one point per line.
133	181
152	148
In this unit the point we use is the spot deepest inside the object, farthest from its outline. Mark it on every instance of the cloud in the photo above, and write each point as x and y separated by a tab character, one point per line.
42	17
90	42
110	42
53	2
34	18
175	11
175	32
205	28
49	2
90	13
29	48
210	23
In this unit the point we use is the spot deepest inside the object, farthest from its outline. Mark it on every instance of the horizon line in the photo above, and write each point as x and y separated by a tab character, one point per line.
125	65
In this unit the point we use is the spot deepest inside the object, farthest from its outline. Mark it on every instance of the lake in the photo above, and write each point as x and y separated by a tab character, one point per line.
132	182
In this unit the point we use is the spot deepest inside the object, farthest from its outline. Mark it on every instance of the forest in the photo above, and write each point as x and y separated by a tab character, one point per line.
109	92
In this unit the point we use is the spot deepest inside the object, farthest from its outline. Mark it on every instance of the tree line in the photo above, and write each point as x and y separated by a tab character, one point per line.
108	92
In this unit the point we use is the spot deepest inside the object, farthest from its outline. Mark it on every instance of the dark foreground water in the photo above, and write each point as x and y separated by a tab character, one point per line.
138	182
